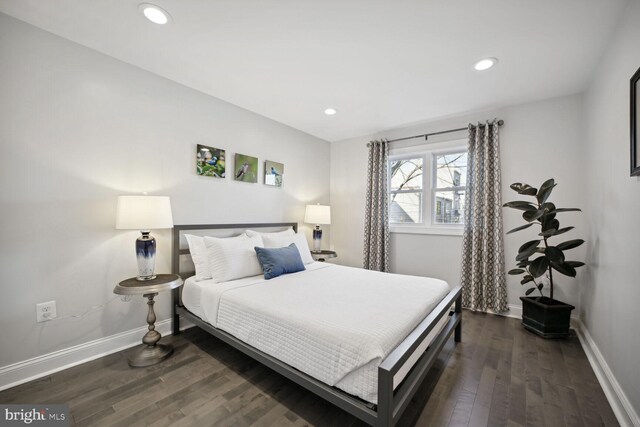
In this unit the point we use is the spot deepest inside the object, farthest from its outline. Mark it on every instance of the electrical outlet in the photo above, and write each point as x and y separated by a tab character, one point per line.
46	311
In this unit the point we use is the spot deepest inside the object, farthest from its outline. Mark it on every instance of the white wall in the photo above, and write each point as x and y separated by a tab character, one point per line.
77	129
539	140
611	289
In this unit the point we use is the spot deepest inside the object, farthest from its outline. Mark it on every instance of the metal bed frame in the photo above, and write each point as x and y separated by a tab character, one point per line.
409	355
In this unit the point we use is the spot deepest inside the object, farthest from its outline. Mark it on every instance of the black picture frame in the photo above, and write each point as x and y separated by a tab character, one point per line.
635	123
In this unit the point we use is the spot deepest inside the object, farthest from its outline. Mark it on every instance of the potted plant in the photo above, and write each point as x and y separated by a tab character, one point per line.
538	259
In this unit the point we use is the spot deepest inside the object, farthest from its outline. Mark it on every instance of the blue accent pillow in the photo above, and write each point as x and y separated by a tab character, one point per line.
278	261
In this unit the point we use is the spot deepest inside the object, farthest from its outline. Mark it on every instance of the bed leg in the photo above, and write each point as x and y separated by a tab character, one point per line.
175	324
385	398
458	332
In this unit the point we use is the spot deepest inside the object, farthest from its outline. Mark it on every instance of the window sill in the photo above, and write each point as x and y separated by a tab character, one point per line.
439	231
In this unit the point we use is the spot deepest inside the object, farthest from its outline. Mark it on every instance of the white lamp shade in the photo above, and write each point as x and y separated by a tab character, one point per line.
143	213
317	214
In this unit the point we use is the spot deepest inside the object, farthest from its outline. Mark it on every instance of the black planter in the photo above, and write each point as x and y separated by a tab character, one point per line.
546	317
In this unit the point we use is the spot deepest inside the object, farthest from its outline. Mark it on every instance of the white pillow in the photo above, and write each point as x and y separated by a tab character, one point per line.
199	256
231	259
287	232
198	251
280	241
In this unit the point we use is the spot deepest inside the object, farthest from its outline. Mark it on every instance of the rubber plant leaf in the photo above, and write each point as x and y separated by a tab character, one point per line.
554	254
525	189
545	190
565	269
553	232
527	250
575	264
570	244
539	266
521	205
526	279
522	227
530	216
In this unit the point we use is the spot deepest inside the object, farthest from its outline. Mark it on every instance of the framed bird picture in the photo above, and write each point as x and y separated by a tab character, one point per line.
635	124
273	173
210	161
246	168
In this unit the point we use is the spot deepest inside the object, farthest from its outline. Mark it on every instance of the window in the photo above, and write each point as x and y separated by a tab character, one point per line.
450	179
406	190
427	188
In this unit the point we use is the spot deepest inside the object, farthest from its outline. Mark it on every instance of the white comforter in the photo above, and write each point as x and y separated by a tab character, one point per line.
332	322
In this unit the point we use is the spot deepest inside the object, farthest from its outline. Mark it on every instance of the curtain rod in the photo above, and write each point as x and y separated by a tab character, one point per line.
427	135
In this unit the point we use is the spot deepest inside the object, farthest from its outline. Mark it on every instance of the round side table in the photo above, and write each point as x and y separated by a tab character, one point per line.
151	352
322	256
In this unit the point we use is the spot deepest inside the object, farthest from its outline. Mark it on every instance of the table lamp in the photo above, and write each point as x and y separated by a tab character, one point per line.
317	214
144	213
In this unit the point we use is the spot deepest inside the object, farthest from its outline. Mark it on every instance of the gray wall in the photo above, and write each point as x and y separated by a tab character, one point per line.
77	129
539	140
611	287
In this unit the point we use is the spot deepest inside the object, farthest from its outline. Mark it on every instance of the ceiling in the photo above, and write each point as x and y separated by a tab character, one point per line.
381	64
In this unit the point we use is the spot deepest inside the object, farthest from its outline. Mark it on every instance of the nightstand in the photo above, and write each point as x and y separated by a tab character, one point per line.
151	352
322	256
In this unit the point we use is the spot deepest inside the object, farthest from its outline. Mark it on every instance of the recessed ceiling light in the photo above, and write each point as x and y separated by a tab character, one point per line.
485	64
330	111
154	13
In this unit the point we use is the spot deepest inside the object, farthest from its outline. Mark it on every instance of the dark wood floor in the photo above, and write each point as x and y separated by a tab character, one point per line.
500	375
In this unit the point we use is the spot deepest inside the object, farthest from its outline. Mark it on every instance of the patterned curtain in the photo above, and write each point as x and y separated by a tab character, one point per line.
376	225
483	276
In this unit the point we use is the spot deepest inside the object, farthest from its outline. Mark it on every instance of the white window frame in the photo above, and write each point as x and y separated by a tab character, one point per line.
427	152
424	183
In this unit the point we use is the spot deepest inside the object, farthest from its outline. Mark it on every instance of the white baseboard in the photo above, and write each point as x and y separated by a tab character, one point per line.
515	311
618	400
38	367
622	408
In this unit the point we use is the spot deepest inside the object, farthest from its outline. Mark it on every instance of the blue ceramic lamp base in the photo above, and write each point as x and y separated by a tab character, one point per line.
317	239
146	255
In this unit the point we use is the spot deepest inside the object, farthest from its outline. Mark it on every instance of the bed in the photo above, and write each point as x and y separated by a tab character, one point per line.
310	326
